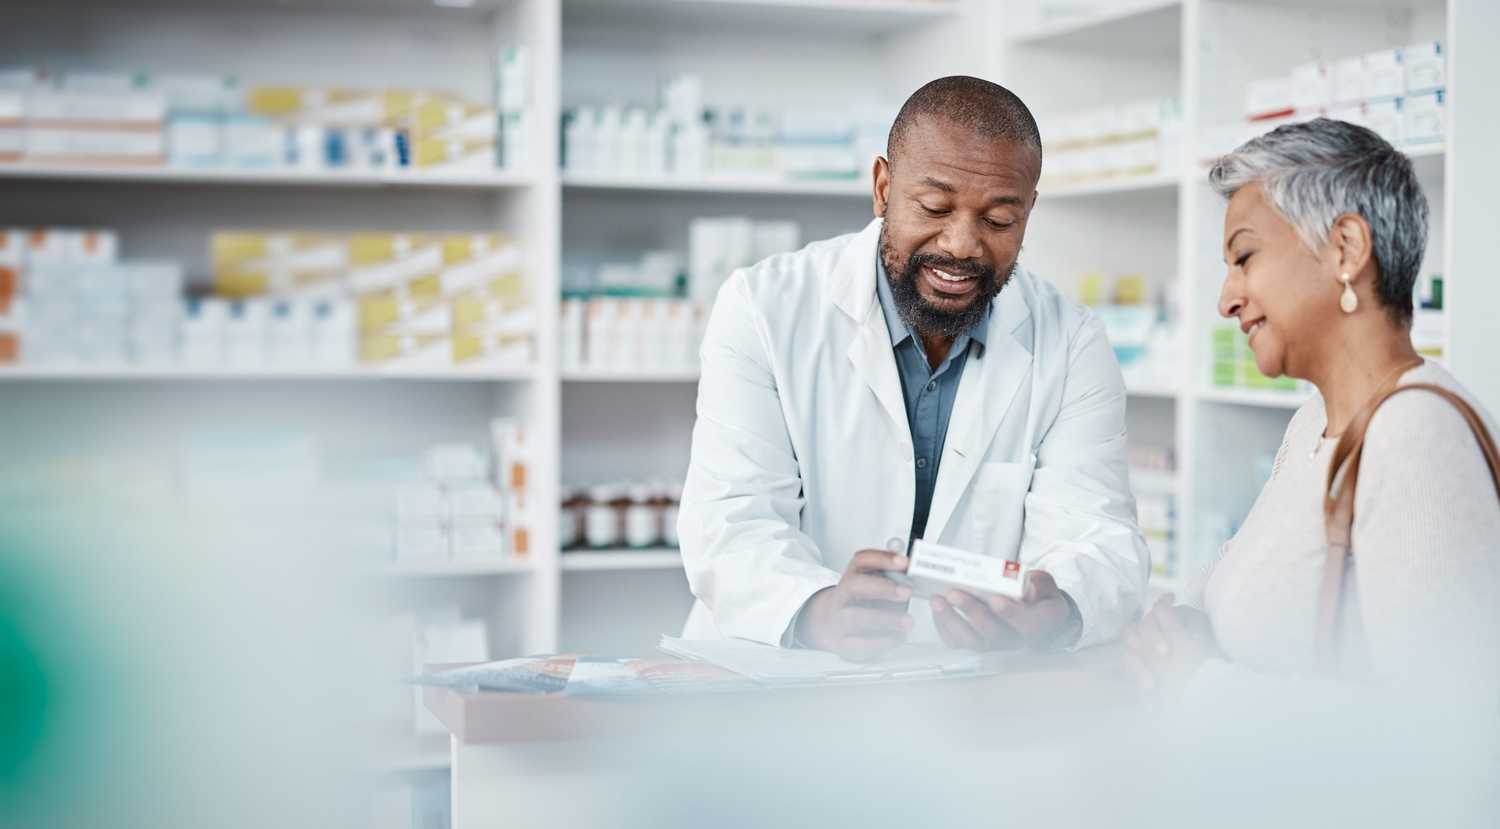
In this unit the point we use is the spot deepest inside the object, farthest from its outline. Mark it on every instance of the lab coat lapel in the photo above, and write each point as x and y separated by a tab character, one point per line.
875	362
870	351
985	396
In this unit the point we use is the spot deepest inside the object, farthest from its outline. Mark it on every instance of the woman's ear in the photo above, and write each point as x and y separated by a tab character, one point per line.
1353	246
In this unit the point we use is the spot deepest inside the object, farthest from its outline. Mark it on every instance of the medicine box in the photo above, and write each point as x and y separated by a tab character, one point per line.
1349	81
934	569
1385	117
1270	98
1384	75
1426	67
1423	118
1312	88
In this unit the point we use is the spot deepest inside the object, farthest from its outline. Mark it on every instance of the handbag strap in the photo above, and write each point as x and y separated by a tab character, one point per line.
1338	507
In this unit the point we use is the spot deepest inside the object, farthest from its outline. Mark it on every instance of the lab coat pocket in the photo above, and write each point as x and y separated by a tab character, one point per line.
997	507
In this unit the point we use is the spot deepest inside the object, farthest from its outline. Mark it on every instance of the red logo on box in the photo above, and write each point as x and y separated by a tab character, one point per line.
1012	569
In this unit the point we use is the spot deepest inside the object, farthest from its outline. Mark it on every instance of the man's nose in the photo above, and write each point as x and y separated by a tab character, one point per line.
959	240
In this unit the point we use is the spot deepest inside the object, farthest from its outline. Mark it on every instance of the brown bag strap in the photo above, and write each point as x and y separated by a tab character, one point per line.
1338	507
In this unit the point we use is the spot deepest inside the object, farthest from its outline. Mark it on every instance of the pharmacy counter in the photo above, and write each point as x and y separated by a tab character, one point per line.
875	754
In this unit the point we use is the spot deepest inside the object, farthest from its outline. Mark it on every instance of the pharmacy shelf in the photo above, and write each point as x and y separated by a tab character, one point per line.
623	559
598	375
1155	184
844	17
1254	397
1142	27
844	188
496	180
457	569
226	374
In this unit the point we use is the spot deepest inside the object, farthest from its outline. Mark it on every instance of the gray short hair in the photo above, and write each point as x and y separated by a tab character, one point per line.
1316	171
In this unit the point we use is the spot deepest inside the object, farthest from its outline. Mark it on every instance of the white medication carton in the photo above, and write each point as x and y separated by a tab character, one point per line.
935	569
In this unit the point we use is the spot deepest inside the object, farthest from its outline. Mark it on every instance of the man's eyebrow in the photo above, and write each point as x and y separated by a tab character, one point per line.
936	184
1008	200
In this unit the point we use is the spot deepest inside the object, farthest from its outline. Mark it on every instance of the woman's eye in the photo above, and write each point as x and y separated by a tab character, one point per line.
1240	262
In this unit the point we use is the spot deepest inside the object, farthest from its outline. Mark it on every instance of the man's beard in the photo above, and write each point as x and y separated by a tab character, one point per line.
921	315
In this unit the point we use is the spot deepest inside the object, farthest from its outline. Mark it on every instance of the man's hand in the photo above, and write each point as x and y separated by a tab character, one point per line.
1167	647
1000	623
862	616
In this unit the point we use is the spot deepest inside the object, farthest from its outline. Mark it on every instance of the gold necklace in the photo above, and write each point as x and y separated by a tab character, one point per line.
1395	374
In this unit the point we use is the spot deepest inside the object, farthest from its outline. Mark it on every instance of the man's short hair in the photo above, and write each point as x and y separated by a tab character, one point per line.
987	109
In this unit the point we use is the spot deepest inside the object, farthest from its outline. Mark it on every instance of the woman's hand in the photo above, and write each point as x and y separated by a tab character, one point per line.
1165	649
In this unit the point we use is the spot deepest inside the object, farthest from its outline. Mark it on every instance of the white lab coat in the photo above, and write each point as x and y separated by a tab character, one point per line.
802	454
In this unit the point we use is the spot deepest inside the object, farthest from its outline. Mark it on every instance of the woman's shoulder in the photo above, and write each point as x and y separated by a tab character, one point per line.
1419	427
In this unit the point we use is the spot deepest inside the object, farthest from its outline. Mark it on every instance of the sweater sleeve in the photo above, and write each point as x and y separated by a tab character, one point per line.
1426	533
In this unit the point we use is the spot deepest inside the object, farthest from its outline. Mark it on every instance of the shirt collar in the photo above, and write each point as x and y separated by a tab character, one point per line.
898	328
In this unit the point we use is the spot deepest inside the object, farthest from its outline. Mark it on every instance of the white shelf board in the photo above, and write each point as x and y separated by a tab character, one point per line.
623	559
1254	397
229	374
1144	26
1155	184
849	18
597	375
496	180
844	188
454	569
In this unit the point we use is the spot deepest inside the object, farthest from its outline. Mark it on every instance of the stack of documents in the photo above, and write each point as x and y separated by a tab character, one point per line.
786	666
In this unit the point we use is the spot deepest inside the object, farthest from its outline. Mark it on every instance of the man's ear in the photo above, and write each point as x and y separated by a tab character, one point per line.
882	190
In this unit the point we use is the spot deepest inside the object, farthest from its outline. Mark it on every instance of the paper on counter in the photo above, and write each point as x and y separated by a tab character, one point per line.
787	665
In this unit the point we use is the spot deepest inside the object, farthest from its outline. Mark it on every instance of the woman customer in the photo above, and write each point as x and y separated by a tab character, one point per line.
1324	235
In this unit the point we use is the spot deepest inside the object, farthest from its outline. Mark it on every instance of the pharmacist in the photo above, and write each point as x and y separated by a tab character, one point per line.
911	380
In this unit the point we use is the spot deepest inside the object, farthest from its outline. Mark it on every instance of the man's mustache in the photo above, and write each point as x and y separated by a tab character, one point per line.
958	267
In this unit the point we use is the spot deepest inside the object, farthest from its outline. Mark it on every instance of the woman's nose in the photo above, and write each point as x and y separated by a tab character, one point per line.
1230	300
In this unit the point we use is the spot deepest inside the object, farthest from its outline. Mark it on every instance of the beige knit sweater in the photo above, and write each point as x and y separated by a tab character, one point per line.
1426	547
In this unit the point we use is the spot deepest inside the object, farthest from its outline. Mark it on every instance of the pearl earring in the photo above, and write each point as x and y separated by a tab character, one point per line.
1349	302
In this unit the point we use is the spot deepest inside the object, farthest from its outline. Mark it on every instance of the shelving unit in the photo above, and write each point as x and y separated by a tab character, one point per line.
594	375
273	177
624	559
247	374
458	569
721	185
814	52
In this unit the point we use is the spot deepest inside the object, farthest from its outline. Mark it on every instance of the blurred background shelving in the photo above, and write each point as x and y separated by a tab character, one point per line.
1125	224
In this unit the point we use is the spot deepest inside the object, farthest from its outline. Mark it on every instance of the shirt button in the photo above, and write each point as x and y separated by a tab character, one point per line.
932	386
921	463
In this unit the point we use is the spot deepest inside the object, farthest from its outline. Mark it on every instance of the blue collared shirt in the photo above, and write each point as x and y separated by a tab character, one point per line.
929	392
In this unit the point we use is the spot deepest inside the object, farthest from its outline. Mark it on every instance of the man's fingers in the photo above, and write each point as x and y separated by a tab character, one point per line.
1152	637
859	620
876	561
1039	585
956	632
990	628
869	587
